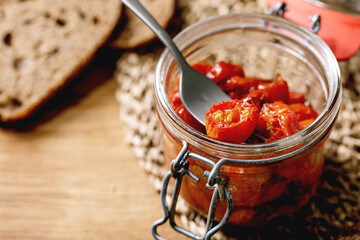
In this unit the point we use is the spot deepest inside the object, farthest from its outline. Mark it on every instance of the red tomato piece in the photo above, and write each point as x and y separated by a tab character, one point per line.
279	89
258	96
276	121
232	121
270	91
202	67
251	178
275	91
181	111
223	70
240	83
238	87
260	91
253	186
305	169
303	111
295	97
277	135
235	94
304	123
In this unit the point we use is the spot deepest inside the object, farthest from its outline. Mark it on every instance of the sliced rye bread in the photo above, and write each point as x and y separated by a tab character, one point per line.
44	44
134	32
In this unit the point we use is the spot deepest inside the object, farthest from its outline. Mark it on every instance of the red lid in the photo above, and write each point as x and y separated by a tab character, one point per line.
340	27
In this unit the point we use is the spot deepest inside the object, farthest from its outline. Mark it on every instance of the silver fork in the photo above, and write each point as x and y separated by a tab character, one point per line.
197	92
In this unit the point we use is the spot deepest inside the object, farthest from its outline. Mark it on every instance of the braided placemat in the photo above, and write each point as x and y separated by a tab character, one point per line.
333	213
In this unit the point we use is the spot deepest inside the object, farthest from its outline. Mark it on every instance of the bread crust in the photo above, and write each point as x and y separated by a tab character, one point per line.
134	32
46	43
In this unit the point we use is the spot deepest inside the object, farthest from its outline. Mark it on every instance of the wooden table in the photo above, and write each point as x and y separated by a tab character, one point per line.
67	173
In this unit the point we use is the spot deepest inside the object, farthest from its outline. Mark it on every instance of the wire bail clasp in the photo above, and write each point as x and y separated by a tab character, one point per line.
280	8
179	167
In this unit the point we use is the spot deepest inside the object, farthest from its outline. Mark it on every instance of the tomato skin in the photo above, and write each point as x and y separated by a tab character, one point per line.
235	94
258	96
181	111
238	87
276	121
252	186
304	123
304	170
232	121
223	70
202	67
277	135
244	84
268	92
175	100
295	97
261	91
303	111
275	91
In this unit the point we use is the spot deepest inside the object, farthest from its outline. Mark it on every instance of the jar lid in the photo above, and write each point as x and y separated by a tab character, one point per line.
340	22
344	6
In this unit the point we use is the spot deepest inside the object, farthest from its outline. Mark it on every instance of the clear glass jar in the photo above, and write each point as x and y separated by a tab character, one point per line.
277	178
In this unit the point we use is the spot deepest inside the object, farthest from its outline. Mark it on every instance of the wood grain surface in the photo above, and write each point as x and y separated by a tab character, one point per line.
67	172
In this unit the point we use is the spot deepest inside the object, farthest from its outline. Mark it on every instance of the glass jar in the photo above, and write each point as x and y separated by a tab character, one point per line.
267	179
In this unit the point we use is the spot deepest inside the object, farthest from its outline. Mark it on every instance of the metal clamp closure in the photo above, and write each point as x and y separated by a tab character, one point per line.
280	9
315	23
180	167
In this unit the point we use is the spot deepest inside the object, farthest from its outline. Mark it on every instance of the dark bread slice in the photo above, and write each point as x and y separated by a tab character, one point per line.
43	44
135	33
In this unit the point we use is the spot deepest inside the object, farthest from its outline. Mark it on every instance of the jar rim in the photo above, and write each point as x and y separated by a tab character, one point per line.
324	120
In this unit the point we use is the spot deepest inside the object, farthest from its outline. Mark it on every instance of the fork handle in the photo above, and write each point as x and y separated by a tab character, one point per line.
139	10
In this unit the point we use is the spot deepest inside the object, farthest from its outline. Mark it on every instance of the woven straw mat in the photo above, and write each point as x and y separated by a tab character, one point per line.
333	213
